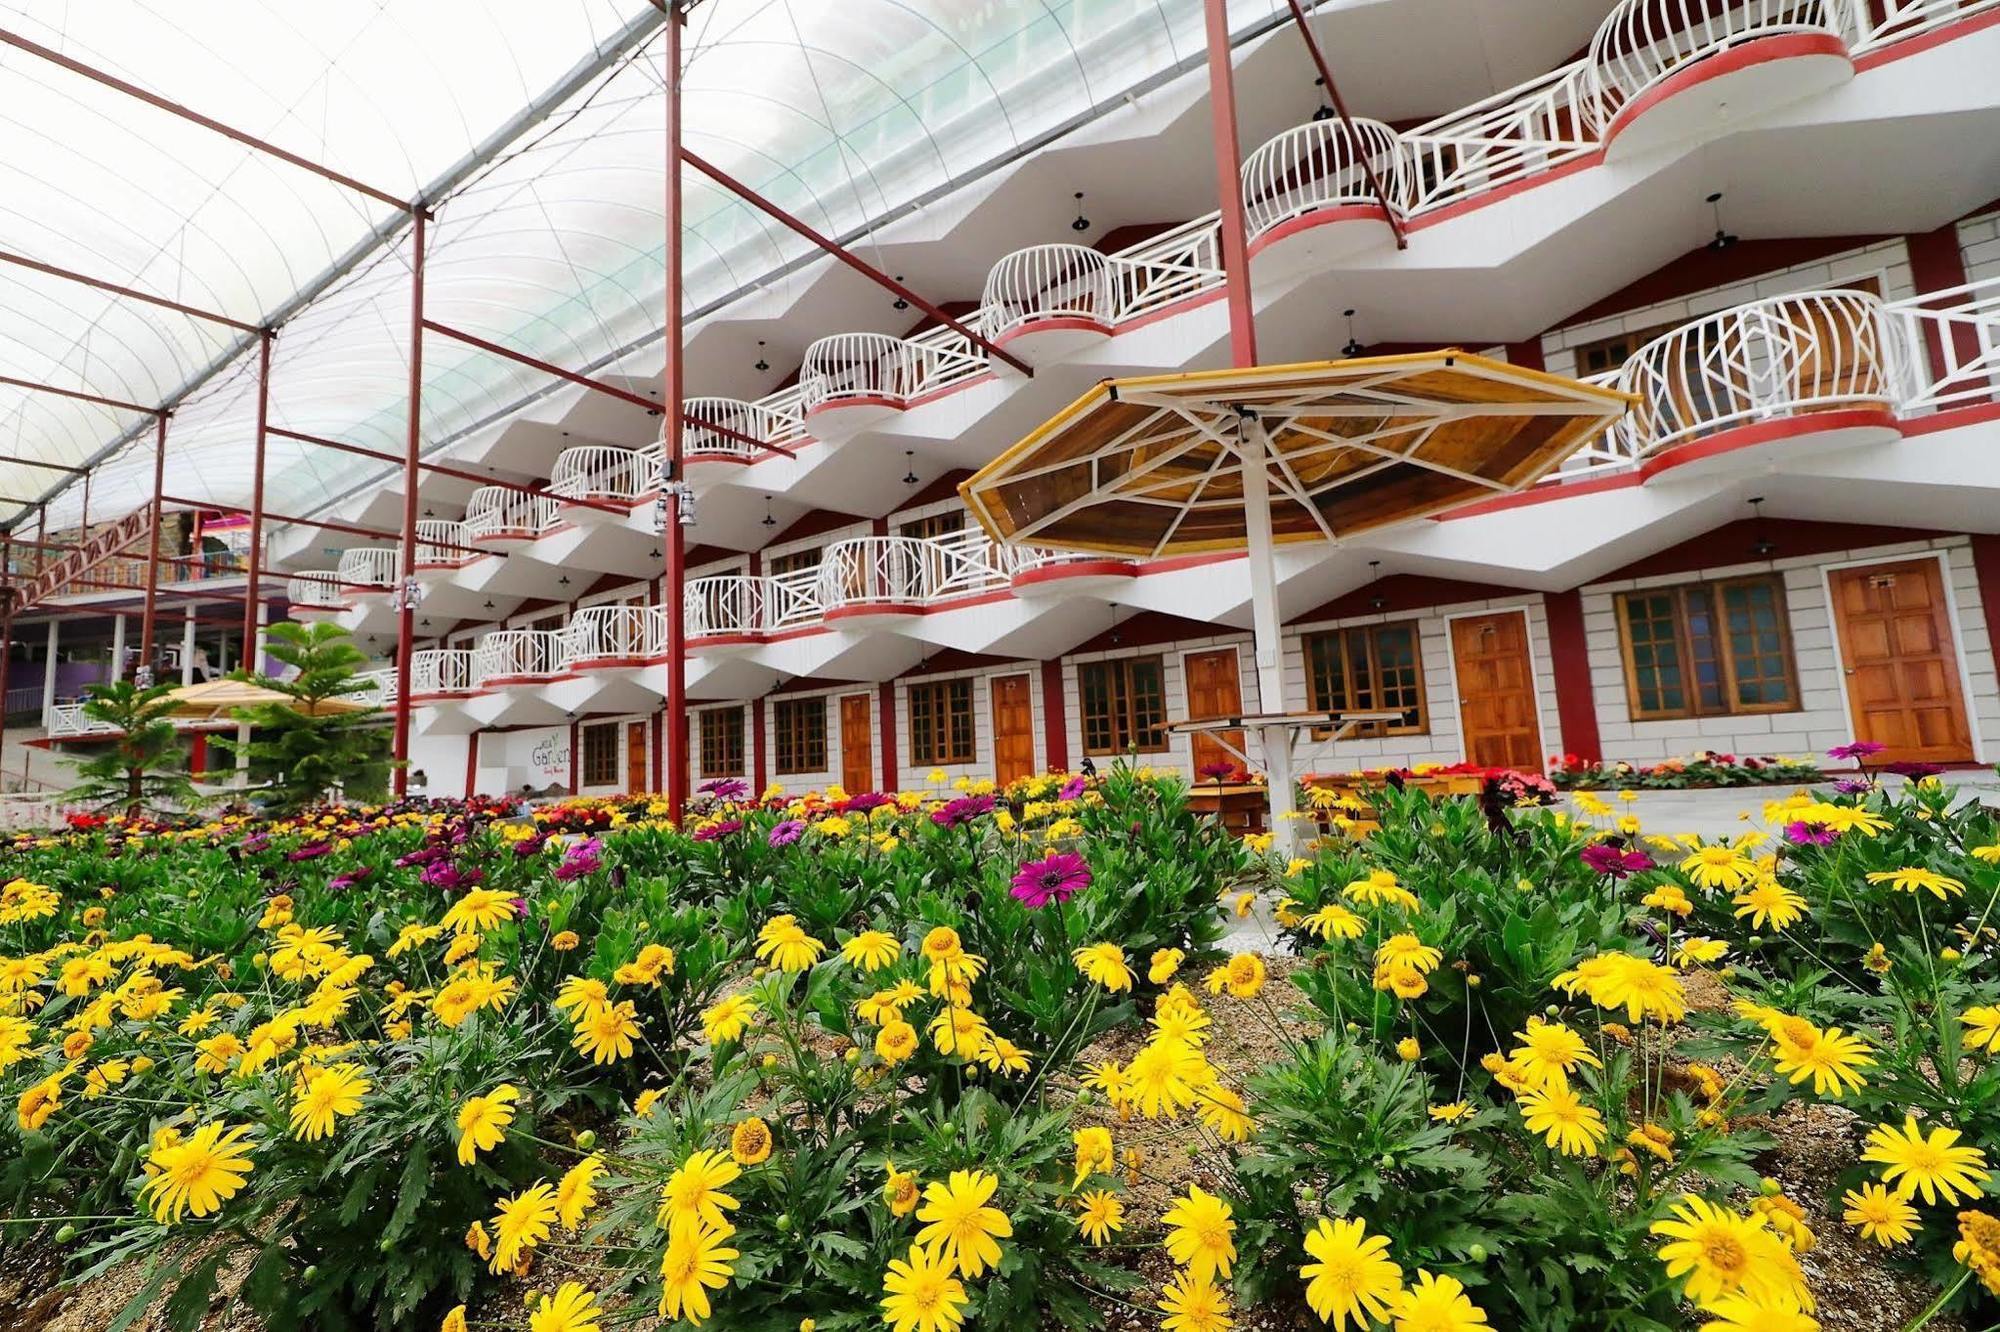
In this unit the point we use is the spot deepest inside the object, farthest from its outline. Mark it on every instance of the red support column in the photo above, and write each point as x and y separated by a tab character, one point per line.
760	771
198	754
7	622
656	729
255	569
1986	569
891	771
412	475
1527	355
575	761
153	545
1229	186
1055	718
1937	264
1569	663
472	763
674	539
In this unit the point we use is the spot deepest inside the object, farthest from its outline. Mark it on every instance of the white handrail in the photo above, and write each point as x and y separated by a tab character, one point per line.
601	633
1780	356
1321	164
1881	22
875	571
500	511
1045	282
792	599
315	588
601	472
437	542
846	366
1951	345
519	653
380	688
368	566
1643	42
773	420
1172	266
441	671
1509	136
724	604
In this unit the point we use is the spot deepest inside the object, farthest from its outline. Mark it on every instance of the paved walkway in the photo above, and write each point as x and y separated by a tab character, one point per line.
1715	813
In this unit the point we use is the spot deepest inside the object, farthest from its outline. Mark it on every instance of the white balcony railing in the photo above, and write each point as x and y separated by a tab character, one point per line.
1643	42
1951	346
315	588
1880	22
777	420
1045	282
438	543
792	599
599	634
68	719
441	671
1496	141
850	367
1166	268
369	566
600	472
378	688
726	604
519	654
500	512
1321	164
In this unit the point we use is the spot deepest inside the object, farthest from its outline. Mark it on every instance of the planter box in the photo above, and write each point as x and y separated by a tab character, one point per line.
1241	807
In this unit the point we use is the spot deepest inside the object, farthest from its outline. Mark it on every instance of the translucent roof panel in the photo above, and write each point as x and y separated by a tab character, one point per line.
841	113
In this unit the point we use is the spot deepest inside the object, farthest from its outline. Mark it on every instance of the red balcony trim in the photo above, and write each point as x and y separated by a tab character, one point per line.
1051	573
857	400
1318	217
1053	324
1926	41
1757	51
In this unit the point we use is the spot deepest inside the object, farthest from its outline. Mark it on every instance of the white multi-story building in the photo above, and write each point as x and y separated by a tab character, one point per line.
1776	223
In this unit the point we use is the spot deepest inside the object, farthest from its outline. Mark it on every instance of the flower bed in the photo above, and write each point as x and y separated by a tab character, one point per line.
1704	769
931	1059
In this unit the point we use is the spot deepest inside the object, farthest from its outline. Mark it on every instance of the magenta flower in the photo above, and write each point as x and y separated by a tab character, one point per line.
342	882
586	857
1808	834
443	874
726	788
721	828
784	834
965	809
531	846
1614	860
1071	789
310	851
1855	749
866	801
1058	878
1854	786
256	842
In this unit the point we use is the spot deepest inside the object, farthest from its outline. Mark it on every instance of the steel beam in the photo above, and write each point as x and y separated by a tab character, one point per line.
254	573
33	387
1340	109
130	293
153	545
442	469
413	445
673	541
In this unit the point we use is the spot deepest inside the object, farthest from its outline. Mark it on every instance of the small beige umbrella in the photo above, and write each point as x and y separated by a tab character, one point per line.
219	697
1253	458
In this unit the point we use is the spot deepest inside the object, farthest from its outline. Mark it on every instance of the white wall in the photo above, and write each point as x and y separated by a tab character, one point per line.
912	776
1979	242
797	783
1822	720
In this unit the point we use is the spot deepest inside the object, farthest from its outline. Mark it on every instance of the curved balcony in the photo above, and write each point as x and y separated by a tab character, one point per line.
519	656
438	545
1047	300
1810	363
1677	63
1034	572
724	607
716	429
378	688
315	593
606	475
441	673
500	513
614	636
850	381
368	569
1307	197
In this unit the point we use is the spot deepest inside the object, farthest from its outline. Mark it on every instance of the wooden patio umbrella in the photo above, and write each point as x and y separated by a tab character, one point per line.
1246	459
219	697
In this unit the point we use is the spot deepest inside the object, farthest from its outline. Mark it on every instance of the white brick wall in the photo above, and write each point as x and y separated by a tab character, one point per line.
914	776
1887	261
1822	719
797	783
744	772
1979	243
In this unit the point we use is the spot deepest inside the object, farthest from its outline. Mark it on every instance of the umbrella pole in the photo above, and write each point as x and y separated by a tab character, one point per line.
1267	632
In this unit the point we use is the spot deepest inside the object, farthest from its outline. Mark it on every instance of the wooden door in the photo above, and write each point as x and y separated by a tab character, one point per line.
1013	729
857	744
1496	691
1213	690
1900	661
636	778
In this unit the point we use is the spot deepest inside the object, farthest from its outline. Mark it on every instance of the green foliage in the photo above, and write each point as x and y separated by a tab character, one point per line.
320	744
140	770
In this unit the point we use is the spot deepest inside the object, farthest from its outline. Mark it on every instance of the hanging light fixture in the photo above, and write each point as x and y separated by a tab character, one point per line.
900	303
1378	601
489	606
1082	223
769	521
1723	239
762	364
1761	544
1322	111
563	581
1354	347
910	477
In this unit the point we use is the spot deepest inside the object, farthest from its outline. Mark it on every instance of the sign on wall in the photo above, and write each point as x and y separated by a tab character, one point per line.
547	756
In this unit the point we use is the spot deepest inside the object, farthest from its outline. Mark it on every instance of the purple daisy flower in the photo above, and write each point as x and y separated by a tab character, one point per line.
1058	878
531	846
1855	749
342	882
1809	834
866	801
784	834
726	788
586	857
310	851
1071	789
1615	861
719	829
965	809
1854	786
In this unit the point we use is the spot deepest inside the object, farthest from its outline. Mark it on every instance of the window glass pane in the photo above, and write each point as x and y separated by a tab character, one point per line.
1094	684
1326	680
1149	703
1657	686
1400	677
1754	618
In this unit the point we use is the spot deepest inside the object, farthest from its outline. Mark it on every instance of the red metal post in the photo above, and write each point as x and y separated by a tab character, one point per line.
412	445
56	466
840	252
1340	109
254	573
153	544
442	469
1229	186
7	623
673	541
130	293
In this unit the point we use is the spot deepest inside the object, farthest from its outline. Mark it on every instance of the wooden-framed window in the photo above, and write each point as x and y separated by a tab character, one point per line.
798	738
798	561
1708	649
948	523
1606	354
942	730
722	742
1369	668
600	753
1124	705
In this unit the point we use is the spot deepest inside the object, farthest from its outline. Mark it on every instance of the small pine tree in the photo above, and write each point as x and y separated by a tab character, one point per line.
140	771
301	753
